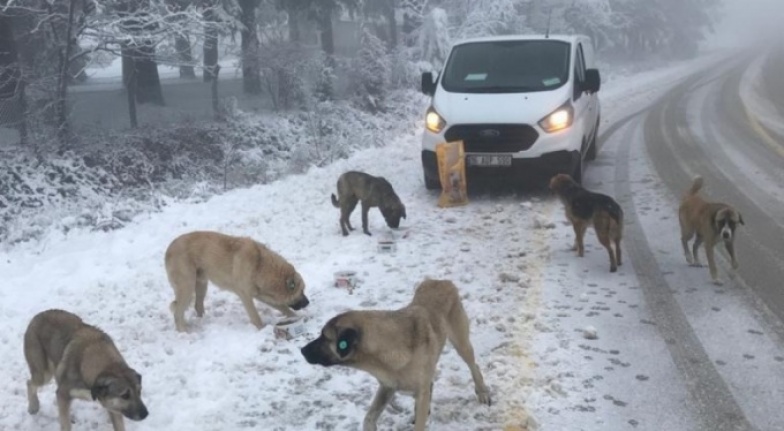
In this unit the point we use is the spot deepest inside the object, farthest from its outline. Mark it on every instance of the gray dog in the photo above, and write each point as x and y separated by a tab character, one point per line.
85	364
373	191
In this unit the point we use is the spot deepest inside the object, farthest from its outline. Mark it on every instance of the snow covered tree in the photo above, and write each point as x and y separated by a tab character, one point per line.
666	27
48	33
593	18
434	41
384	9
251	62
413	12
490	17
372	67
321	12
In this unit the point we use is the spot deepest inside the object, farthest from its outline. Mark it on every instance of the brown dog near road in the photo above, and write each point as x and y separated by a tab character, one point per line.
85	364
711	222
240	265
401	348
585	208
354	187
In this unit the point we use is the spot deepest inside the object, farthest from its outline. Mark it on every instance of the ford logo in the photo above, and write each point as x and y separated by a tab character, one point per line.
489	133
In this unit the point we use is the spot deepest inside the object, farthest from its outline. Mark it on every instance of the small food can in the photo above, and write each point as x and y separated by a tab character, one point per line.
387	245
346	279
289	328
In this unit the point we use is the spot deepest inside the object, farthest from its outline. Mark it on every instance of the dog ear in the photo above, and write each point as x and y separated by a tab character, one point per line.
717	216
100	387
347	339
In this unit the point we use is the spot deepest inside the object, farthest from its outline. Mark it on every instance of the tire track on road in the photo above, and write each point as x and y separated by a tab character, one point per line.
677	159
714	402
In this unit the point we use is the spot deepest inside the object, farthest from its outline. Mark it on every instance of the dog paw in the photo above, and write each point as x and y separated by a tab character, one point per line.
369	426
33	408
613	269
484	398
735	265
718	282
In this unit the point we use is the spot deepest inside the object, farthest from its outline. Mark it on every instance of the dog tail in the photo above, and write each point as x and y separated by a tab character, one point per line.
335	201
35	354
615	211
695	186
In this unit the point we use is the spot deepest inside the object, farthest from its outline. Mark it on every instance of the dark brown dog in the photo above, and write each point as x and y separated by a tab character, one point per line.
711	222
372	191
85	364
401	348
585	208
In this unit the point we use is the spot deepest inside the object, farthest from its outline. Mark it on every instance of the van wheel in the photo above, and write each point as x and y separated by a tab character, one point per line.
577	171
432	184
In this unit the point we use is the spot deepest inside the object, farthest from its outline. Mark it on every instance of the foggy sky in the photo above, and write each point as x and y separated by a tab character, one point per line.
748	21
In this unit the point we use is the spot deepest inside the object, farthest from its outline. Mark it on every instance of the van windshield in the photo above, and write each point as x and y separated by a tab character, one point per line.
507	66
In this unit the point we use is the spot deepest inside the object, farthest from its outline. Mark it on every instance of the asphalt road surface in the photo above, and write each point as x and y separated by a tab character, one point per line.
724	344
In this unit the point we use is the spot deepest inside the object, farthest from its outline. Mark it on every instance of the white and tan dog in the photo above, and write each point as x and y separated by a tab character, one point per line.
711	222
238	264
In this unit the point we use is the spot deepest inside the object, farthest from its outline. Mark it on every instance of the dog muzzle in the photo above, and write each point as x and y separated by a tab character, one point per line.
314	355
137	414
300	304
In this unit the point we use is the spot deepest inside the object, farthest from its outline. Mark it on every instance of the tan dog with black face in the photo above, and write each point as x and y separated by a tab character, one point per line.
85	364
712	222
240	265
354	187
401	348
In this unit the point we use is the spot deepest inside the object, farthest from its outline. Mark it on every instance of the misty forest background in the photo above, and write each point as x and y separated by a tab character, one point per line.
263	88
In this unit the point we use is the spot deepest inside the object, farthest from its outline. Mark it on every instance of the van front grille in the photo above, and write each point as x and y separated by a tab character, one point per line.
493	138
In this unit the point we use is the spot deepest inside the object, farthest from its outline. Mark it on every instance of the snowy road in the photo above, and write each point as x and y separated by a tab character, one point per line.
674	352
695	356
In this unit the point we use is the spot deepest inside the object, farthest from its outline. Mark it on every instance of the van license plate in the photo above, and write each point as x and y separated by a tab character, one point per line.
489	160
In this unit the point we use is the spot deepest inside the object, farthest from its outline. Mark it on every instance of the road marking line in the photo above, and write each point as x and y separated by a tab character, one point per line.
516	415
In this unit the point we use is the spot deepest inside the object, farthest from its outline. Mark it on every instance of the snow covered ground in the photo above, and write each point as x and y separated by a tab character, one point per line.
507	254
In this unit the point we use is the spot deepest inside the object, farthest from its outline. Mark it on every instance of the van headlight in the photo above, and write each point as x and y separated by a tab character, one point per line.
433	121
559	119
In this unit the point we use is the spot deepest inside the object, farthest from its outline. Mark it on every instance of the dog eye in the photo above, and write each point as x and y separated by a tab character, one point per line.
290	284
342	345
126	395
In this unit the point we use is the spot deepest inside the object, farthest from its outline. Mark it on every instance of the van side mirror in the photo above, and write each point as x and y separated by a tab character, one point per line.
593	81
428	86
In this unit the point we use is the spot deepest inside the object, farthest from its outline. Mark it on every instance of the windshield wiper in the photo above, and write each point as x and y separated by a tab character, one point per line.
498	89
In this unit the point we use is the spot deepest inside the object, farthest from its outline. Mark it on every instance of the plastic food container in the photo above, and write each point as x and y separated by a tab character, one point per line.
346	279
387	245
289	328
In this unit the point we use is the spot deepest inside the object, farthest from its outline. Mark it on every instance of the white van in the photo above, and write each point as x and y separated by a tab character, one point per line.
522	105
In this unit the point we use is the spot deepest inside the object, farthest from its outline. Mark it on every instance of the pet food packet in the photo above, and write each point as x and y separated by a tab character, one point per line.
451	172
